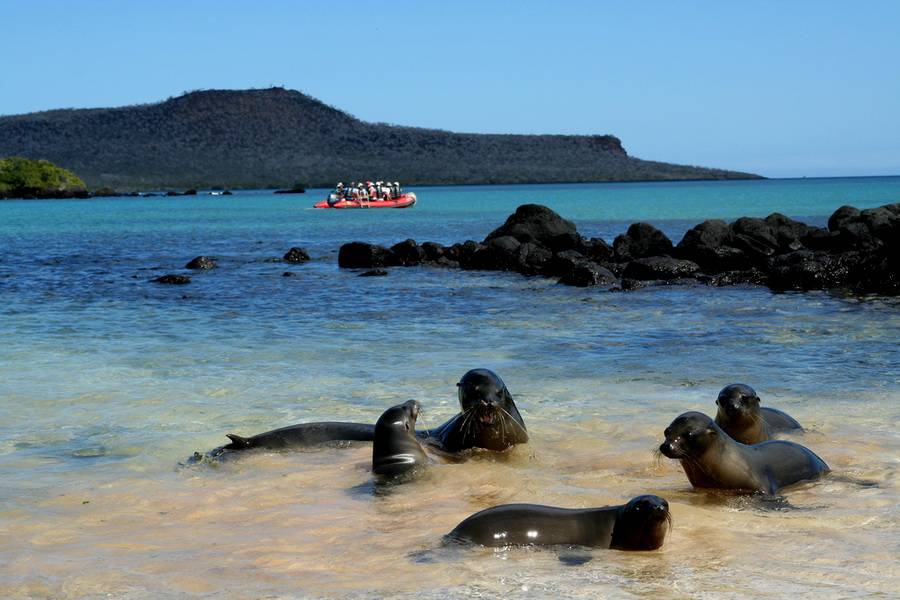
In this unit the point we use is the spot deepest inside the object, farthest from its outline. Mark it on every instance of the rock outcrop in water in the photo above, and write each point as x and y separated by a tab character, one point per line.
859	252
203	263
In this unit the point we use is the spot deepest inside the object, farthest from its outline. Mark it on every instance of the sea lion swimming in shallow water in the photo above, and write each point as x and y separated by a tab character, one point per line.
488	419
641	524
303	435
740	416
712	459
396	452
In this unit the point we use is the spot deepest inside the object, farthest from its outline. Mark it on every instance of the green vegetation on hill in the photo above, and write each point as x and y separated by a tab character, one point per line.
274	137
25	177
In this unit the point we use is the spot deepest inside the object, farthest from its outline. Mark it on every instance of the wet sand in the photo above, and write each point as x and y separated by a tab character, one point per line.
311	524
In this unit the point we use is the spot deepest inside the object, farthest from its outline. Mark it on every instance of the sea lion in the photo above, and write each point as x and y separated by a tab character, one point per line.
489	417
489	420
712	459
304	434
641	524
396	453
740	415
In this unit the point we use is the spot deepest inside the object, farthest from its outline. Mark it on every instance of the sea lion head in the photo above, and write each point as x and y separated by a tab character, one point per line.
395	449
489	411
738	405
690	434
642	524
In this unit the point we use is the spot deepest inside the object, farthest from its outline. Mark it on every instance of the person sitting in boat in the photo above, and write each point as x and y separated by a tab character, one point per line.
339	190
354	193
370	189
397	190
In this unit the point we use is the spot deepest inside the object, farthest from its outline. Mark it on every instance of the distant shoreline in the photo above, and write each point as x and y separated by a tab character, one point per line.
204	191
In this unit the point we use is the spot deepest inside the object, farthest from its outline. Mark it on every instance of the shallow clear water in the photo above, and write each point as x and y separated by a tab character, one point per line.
108	381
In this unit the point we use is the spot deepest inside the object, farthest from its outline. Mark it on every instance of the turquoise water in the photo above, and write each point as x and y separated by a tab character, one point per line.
107	381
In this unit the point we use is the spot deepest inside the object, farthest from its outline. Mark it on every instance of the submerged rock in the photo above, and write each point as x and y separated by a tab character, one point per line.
374	273
201	263
296	255
173	279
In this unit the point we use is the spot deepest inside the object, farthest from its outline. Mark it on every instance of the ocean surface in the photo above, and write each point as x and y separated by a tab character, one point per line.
109	382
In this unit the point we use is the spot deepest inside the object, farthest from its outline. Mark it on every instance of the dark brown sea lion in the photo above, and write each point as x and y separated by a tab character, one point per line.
712	459
740	416
489	417
641	524
489	420
303	435
396	453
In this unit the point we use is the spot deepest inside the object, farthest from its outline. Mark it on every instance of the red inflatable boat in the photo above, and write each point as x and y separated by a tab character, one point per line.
402	201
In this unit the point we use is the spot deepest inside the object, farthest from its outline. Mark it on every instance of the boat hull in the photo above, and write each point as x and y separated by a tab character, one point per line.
402	201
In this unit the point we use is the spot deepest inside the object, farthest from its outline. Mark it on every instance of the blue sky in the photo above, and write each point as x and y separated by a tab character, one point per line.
778	88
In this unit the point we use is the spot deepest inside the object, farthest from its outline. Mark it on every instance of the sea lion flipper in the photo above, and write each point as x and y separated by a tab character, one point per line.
237	442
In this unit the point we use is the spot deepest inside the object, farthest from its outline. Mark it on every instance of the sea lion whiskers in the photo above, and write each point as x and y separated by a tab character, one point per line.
467	422
511	418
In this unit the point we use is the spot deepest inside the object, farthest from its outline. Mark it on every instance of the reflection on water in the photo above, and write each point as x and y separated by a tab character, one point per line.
108	382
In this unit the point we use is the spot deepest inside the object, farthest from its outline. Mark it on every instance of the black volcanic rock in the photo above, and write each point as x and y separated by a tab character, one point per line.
841	217
860	254
539	225
707	245
359	255
878	273
868	229
201	263
433	251
374	273
296	255
562	263
787	232
660	267
172	279
640	241
408	253
465	253
597	250
497	254
807	270
586	274
725	278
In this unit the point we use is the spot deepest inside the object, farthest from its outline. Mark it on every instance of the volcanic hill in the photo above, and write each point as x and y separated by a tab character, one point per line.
277	137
